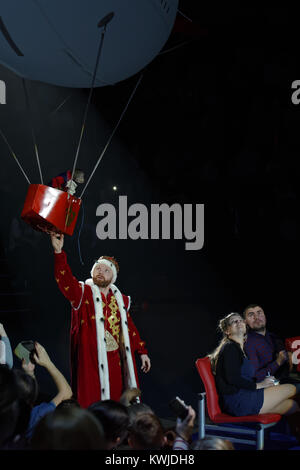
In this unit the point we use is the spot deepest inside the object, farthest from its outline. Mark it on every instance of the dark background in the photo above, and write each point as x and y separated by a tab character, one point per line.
211	122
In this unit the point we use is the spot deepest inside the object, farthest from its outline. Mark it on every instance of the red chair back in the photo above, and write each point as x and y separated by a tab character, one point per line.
212	400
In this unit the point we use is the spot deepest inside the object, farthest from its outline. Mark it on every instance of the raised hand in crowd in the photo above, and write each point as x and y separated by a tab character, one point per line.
42	358
185	427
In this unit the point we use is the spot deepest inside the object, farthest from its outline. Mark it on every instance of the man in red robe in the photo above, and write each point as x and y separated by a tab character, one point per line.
103	335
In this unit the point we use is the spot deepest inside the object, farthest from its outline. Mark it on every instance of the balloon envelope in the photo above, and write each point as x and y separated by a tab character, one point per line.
56	41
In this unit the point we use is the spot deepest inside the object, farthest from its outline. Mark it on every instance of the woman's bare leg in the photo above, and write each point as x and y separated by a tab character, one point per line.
277	399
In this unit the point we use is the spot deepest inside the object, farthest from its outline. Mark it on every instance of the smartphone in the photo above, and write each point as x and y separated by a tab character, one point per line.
25	350
179	407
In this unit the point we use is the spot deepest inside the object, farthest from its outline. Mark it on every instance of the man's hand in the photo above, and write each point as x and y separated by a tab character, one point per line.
184	428
41	356
2	330
146	364
267	382
57	241
28	368
281	357
290	358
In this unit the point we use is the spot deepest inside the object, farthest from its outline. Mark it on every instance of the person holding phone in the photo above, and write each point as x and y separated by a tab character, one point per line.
184	428
64	391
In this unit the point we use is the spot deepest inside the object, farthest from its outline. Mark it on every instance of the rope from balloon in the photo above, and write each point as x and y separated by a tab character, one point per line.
48	209
99	160
14	155
111	136
78	239
32	129
11	150
102	23
51	114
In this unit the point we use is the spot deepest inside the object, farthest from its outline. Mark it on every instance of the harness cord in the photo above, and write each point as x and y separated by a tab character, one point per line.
54	111
14	156
89	96
185	16
78	241
112	134
175	47
32	129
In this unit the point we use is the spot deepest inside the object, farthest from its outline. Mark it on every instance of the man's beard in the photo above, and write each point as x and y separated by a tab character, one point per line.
101	283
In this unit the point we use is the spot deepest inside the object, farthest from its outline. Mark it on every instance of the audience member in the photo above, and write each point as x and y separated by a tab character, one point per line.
64	391
27	396
137	409
146	433
6	356
9	409
69	403
245	367
239	394
114	419
170	436
134	411
70	428
184	430
266	350
212	443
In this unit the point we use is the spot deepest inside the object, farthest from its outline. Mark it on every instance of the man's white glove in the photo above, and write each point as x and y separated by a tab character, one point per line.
71	185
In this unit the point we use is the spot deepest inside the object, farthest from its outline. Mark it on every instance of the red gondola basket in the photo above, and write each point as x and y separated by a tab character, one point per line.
49	209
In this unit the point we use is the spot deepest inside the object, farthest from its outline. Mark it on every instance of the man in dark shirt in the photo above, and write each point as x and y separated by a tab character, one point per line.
266	350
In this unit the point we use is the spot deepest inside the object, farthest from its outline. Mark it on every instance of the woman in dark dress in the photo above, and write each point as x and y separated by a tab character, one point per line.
239	394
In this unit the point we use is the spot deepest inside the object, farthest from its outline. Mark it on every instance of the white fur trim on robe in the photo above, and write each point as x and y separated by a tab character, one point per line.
101	342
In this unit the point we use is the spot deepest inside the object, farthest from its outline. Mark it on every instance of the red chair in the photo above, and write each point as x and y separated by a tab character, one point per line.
293	345
221	420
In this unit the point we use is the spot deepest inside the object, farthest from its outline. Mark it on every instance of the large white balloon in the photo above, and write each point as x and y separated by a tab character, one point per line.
56	41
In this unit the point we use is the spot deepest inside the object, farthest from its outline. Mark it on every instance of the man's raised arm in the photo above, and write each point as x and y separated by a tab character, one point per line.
67	283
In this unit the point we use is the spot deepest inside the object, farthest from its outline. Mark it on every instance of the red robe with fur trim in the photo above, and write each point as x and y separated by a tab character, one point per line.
84	360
